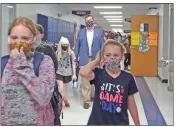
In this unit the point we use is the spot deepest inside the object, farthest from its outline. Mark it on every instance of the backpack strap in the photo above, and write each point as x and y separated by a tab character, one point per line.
4	61
38	57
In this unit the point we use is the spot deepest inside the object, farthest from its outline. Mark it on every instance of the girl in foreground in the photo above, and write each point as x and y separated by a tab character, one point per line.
26	97
114	88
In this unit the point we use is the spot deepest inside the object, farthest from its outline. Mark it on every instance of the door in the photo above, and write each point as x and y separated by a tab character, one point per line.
171	50
144	63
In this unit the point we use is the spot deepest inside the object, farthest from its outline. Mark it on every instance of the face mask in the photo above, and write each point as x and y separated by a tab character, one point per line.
89	23
111	63
26	47
38	39
64	48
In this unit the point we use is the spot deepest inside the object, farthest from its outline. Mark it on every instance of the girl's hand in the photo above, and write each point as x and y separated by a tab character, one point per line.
16	52
98	58
74	77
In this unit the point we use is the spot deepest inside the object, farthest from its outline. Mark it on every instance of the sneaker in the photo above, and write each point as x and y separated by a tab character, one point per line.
86	106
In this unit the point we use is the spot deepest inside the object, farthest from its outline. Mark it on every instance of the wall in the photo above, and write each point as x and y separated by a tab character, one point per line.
163	10
7	17
31	10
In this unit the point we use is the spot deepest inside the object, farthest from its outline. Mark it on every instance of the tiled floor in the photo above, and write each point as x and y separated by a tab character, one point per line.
76	115
163	97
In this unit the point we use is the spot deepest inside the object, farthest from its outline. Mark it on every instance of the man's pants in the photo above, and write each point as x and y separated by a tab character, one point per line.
86	88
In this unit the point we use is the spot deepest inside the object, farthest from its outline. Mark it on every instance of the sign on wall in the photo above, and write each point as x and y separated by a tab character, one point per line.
127	31
81	12
128	19
144	38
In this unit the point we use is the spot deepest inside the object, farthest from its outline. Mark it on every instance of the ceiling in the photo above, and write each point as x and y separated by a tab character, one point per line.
127	11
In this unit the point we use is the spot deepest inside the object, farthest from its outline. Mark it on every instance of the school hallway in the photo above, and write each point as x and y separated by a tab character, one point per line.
162	110
147	27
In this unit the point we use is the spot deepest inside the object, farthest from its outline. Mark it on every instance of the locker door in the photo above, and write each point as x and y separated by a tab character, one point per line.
67	31
50	29
59	28
54	30
64	30
57	34
43	20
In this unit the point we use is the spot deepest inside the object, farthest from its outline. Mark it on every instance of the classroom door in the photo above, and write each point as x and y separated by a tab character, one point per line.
144	63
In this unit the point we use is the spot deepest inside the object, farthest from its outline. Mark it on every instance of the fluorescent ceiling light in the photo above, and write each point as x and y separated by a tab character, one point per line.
9	6
113	16
107	7
115	19
117	30
116	25
109	13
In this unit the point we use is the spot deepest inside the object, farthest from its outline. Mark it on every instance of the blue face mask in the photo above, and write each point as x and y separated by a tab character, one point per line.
38	38
111	63
89	23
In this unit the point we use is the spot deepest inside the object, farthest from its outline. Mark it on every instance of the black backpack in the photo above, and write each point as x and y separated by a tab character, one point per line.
56	100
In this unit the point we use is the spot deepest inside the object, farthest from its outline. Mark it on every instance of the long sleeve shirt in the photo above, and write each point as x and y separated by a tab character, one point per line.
25	98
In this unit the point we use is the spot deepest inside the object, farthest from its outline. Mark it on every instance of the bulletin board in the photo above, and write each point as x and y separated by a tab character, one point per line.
144	45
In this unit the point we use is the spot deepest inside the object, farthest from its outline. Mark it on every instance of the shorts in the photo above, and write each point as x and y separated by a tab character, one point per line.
65	79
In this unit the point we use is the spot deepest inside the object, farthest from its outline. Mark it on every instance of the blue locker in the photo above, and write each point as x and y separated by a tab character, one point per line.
50	27
65	28
59	30
54	30
43	20
61	26
72	28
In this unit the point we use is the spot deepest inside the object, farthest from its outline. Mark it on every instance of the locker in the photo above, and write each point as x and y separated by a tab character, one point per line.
58	25
54	30
43	20
61	26
68	28
50	28
64	30
71	28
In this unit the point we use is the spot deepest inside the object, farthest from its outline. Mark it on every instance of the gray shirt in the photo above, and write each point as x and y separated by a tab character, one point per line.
64	66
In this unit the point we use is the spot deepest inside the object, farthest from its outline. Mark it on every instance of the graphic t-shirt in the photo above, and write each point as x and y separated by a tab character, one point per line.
111	95
65	65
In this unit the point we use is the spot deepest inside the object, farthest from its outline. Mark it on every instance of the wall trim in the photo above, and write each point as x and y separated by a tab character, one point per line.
162	80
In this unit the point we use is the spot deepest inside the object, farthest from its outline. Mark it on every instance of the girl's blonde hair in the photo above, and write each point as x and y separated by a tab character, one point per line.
115	43
26	22
59	48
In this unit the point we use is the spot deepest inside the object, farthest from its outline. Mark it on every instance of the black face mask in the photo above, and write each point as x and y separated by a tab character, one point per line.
64	48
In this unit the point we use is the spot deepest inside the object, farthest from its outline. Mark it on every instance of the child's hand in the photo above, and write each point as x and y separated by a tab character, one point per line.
98	59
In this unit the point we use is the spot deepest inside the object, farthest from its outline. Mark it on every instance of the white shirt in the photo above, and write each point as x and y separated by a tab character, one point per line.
90	35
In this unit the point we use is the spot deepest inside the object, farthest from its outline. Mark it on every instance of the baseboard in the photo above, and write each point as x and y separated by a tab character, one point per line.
162	80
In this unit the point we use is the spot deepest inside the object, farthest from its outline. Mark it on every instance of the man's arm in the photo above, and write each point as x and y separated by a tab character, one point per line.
77	46
102	40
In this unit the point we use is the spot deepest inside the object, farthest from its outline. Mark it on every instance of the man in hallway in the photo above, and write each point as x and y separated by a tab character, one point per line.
90	40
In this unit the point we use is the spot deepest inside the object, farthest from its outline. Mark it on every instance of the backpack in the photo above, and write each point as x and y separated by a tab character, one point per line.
56	100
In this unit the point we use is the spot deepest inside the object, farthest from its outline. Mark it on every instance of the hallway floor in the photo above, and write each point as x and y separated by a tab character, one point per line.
76	115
